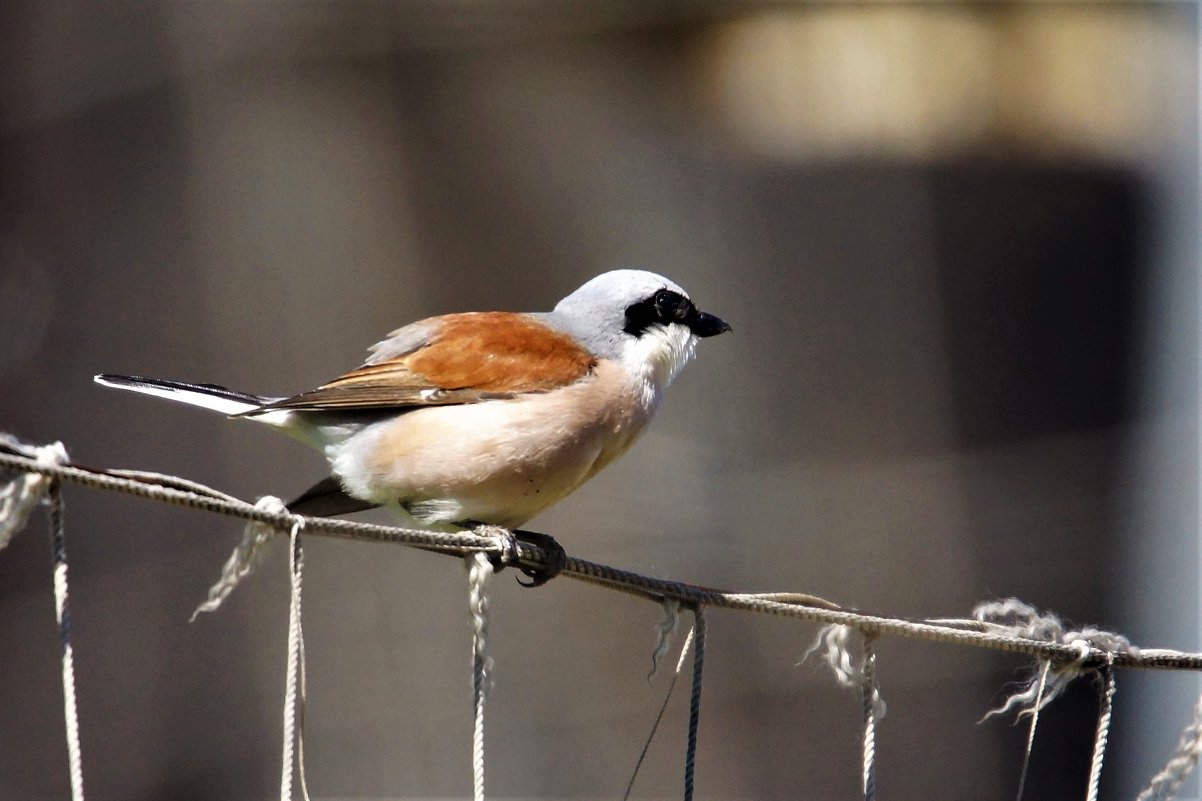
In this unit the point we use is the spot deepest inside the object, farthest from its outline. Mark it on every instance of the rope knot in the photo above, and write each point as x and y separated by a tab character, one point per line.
272	505
507	553
52	455
1094	639
19	496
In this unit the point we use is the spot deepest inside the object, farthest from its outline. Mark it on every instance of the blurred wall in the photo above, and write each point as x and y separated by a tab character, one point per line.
958	245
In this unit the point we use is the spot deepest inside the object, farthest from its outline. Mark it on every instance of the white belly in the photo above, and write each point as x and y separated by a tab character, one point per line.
498	462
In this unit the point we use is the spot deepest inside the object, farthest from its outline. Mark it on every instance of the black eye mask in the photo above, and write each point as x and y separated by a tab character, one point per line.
666	307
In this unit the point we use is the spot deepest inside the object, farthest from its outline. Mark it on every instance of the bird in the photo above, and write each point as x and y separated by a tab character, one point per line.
481	417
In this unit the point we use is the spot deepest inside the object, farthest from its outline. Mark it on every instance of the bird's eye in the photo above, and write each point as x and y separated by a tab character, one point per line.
663	308
671	307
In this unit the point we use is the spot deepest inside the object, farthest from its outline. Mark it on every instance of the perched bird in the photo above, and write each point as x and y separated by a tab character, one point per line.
482	417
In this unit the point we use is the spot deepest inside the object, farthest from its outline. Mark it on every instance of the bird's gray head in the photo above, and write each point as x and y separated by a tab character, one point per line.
639	318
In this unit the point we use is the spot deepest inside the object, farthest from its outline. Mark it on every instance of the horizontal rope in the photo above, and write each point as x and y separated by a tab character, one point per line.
974	633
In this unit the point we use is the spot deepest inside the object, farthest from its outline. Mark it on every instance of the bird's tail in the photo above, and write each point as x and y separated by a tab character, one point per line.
208	396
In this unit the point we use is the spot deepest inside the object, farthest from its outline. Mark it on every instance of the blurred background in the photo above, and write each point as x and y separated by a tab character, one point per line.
958	244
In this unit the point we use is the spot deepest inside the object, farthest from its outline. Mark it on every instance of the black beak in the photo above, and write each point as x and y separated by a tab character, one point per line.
708	325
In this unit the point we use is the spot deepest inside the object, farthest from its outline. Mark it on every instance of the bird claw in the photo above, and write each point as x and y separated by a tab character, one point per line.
540	572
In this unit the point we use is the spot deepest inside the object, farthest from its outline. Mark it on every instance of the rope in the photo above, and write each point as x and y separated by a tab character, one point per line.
1105	712
17	501
684	651
872	707
1166	783
835	645
479	569
1038	705
294	683
62	612
690	758
1014	617
973	633
1009	625
169	489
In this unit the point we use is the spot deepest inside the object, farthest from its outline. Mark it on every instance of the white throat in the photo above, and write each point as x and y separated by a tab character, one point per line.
657	356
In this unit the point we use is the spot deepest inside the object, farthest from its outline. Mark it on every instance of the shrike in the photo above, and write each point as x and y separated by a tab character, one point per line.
482	417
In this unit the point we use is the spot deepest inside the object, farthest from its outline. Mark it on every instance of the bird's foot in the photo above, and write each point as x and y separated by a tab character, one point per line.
538	571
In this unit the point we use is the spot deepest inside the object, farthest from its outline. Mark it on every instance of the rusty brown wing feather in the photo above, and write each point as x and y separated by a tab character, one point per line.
464	358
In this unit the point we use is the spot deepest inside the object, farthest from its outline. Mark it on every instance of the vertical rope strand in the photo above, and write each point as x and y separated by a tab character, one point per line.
62	612
684	651
479	569
300	720
871	705
1035	707
1105	711
292	686
690	759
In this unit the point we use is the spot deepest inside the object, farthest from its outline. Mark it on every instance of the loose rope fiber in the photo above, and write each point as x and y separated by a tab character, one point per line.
246	555
835	645
665	630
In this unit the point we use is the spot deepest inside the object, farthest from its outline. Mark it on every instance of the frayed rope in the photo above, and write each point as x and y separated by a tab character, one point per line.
664	631
857	671
834	645
665	628
1013	617
247	554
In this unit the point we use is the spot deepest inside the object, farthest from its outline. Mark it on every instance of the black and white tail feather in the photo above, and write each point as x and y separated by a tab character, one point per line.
326	498
208	396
